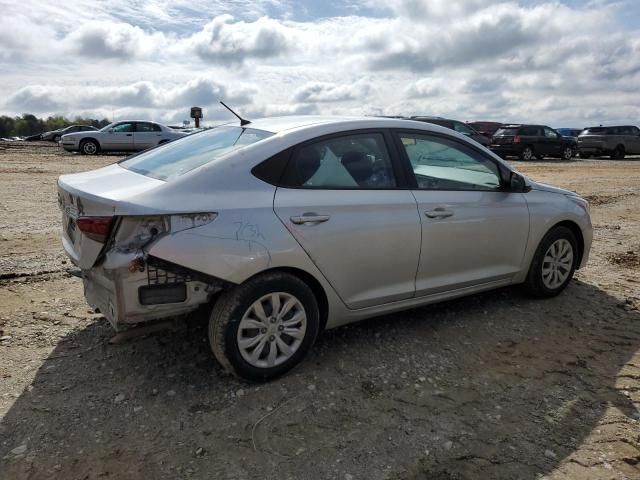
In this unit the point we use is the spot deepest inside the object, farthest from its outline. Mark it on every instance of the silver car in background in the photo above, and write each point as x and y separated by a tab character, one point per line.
125	136
287	226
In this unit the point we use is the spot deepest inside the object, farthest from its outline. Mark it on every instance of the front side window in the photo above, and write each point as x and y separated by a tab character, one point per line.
550	133
439	164
122	127
345	162
187	153
462	128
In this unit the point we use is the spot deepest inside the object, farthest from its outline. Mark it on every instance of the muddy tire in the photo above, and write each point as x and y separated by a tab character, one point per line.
553	264
89	147
263	328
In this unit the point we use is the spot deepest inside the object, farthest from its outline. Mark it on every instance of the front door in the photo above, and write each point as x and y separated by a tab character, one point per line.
473	232
553	142
119	137
341	202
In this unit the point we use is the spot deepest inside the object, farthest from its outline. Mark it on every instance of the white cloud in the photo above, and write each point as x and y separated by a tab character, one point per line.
541	61
228	42
322	92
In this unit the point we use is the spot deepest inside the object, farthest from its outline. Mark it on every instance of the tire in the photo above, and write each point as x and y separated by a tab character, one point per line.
229	321
567	153
618	153
526	154
540	157
544	284
56	138
89	147
585	155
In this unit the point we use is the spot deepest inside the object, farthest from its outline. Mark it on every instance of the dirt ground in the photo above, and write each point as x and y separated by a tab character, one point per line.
494	386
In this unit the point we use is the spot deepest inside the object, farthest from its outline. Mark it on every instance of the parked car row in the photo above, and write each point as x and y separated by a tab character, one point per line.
529	141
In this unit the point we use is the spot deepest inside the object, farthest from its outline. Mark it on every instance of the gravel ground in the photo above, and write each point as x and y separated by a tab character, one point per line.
494	386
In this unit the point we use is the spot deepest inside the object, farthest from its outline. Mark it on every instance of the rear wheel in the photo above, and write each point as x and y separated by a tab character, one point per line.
618	153
56	138
526	154
567	153
553	264
585	155
263	328
89	147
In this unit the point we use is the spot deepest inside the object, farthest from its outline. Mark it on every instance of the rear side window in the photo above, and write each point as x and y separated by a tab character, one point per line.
462	128
147	127
506	132
345	162
185	154
530	131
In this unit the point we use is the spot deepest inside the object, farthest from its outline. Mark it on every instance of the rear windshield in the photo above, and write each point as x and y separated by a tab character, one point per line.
183	155
507	131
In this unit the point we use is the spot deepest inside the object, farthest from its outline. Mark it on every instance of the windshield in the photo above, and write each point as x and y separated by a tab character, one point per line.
181	156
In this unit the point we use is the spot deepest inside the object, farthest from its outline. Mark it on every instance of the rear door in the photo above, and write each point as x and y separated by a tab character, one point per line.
147	135
119	137
631	139
473	233
342	199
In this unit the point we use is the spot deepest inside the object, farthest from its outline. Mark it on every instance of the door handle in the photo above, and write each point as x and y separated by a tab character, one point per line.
438	212
309	218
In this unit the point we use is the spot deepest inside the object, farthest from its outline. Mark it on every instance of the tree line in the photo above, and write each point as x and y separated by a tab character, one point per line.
29	124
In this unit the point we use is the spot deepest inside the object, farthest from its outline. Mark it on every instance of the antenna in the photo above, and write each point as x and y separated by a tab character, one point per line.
243	121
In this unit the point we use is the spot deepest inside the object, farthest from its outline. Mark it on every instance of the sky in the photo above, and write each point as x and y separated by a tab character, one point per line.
562	63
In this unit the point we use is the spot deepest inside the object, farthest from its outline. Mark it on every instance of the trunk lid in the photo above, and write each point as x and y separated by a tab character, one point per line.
98	193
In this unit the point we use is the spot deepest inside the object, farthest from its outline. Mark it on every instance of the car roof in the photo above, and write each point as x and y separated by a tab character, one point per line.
294	122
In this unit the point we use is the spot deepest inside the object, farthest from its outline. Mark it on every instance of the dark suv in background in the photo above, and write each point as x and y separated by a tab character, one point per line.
613	141
456	125
528	141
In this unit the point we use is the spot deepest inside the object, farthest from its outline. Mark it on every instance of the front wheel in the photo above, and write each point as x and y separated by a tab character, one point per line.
567	153
89	147
263	328
553	264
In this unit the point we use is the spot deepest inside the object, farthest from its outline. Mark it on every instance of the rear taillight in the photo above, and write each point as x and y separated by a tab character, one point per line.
96	228
516	139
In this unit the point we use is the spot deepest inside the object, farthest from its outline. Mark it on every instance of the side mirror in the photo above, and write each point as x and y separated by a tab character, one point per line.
110	130
517	183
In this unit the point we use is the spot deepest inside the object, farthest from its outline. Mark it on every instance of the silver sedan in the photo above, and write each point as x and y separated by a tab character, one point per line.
287	226
125	136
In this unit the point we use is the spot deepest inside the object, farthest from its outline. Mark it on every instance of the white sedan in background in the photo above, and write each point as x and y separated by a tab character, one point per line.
125	136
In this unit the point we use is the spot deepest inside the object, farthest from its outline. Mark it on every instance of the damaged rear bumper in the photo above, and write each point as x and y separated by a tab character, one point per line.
129	288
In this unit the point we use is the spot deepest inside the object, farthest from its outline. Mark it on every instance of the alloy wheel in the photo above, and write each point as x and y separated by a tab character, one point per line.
271	330
557	263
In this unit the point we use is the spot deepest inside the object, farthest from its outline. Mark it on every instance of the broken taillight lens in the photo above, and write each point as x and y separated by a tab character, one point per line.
96	228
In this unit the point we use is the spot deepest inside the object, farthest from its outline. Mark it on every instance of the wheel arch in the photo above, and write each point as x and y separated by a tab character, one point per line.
577	232
84	139
312	283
